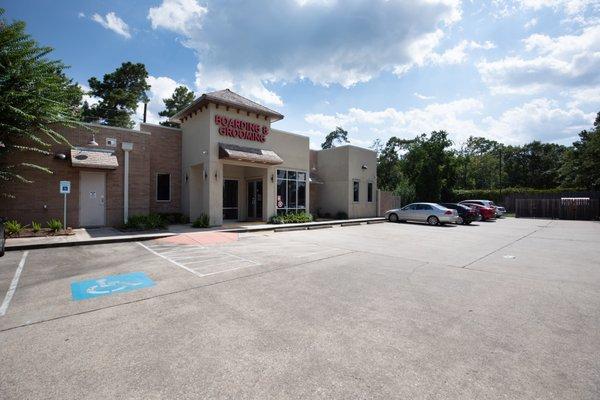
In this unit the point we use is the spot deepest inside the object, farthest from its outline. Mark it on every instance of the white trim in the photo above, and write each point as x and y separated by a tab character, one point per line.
117	128
160	126
156	187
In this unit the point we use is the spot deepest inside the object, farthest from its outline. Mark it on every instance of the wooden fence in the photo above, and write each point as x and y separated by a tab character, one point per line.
510	200
573	208
387	201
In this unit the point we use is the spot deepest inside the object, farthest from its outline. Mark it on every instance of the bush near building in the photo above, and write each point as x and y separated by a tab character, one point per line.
291	218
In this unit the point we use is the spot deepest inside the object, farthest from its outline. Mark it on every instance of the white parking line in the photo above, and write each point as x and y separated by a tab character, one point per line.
169	260
193	258
13	285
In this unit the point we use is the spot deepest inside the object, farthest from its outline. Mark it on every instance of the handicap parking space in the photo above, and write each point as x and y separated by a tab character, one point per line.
59	282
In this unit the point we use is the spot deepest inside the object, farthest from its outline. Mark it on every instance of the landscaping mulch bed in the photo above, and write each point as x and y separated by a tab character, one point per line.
44	232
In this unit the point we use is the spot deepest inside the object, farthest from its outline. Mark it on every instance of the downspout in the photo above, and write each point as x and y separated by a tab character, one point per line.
127	147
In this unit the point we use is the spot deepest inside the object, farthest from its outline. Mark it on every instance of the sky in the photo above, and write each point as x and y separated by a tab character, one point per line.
512	71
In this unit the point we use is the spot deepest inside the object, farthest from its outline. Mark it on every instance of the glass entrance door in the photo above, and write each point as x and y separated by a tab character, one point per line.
230	199
255	199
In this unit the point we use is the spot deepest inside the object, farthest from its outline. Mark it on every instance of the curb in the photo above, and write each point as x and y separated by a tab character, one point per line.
309	225
110	239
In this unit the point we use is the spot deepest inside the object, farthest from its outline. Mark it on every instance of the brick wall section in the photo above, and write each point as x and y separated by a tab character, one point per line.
165	158
41	201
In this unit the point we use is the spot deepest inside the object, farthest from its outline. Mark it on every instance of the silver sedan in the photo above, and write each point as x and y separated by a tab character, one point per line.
432	213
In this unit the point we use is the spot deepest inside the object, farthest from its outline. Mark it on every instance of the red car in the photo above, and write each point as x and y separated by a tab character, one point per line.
486	212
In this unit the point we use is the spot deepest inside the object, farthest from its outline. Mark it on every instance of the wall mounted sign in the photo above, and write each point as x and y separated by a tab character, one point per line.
241	129
65	187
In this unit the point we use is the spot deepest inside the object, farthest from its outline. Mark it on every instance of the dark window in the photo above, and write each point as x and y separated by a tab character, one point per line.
355	189
291	191
370	192
301	194
230	199
163	187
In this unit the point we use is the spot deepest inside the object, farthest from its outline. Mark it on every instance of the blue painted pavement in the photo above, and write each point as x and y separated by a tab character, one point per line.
110	284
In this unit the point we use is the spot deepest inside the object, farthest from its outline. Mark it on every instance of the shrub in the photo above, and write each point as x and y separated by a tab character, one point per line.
291	218
54	225
13	228
201	222
341	215
145	222
155	221
174	218
36	226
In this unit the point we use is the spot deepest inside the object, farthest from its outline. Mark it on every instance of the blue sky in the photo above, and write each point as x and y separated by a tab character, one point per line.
513	71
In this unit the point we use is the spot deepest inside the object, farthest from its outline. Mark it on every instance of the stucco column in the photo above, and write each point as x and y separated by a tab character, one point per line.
127	147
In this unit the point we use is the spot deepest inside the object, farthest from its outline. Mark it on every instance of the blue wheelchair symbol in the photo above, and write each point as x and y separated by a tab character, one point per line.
111	284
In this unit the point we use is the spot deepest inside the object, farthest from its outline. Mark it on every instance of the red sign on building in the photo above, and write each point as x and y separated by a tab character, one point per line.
241	129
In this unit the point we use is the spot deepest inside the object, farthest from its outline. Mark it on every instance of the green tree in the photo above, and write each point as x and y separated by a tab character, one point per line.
181	98
430	166
119	93
389	171
338	135
35	97
581	163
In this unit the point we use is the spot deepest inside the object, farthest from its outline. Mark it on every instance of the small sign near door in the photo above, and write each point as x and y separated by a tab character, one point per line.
65	187
92	195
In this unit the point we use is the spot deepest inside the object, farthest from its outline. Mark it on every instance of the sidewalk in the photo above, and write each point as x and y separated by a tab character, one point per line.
87	236
82	236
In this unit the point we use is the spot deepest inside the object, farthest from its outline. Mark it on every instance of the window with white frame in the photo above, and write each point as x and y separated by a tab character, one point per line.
163	187
356	191
291	191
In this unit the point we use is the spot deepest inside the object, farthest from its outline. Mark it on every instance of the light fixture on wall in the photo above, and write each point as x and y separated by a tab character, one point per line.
93	143
205	174
60	156
364	166
272	177
186	177
216	176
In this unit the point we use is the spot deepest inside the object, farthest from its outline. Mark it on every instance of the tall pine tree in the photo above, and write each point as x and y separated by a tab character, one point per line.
181	98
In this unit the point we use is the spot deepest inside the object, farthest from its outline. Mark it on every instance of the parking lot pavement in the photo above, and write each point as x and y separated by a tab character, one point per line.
509	309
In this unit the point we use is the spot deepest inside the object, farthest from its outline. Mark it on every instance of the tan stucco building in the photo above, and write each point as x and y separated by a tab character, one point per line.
226	161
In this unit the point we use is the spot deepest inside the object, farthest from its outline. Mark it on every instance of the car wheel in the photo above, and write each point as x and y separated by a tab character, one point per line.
433	220
460	221
393	217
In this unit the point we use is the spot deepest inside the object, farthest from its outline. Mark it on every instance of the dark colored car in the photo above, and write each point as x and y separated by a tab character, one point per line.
486	212
466	214
2	236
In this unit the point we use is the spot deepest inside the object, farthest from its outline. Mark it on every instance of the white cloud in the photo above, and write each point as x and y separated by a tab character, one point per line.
181	16
248	45
458	54
564	61
583	12
539	119
457	117
161	87
531	23
112	22
81	14
423	97
91	100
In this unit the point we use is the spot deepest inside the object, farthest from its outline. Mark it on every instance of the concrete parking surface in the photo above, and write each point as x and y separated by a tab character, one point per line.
507	309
